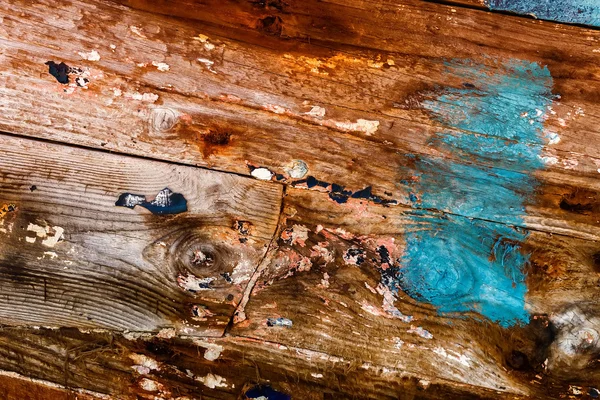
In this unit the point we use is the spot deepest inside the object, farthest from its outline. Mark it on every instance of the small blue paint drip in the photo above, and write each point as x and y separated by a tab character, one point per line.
280	322
266	391
584	12
455	262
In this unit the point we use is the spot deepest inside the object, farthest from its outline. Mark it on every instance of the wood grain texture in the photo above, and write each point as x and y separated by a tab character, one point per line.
178	369
71	258
245	105
327	274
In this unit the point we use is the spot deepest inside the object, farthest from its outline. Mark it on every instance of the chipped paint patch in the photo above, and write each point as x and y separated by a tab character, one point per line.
212	381
205	40
361	125
161	66
50	234
296	235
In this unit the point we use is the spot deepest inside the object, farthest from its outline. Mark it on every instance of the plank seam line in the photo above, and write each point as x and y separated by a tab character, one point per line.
258	270
588	237
124	154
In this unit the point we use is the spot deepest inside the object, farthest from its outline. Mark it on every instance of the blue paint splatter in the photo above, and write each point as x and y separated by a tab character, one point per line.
585	12
461	264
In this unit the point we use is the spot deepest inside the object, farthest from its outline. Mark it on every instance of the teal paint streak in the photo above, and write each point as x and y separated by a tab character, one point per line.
585	12
453	262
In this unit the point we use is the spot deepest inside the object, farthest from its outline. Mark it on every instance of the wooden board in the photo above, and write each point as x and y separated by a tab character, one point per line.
179	369
329	279
69	257
245	106
439	233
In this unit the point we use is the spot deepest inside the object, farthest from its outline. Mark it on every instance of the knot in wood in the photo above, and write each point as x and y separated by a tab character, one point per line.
163	119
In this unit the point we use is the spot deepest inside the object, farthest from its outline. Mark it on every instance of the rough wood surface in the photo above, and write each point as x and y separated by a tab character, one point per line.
337	304
224	368
69	257
243	105
438	236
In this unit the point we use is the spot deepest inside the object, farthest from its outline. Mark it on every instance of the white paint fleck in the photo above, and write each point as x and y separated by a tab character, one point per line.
553	137
193	283
137	31
361	125
208	64
144	364
275	108
212	381
147	97
316	111
262	173
315	375
549	160
117	92
420	331
460	358
149	385
90	56
112	47
212	351
398	343
161	66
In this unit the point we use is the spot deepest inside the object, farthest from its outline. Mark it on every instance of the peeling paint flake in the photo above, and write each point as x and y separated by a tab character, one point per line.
361	125
90	56
161	66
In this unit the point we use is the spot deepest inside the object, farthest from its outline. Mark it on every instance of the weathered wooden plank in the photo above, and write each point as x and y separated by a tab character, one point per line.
240	98
343	281
70	257
224	368
583	12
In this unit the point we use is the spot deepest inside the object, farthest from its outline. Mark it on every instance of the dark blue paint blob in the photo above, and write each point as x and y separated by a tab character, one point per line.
594	393
166	202
59	71
340	194
266	391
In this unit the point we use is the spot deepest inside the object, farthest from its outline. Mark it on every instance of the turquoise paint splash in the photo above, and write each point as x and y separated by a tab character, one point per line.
585	12
460	264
